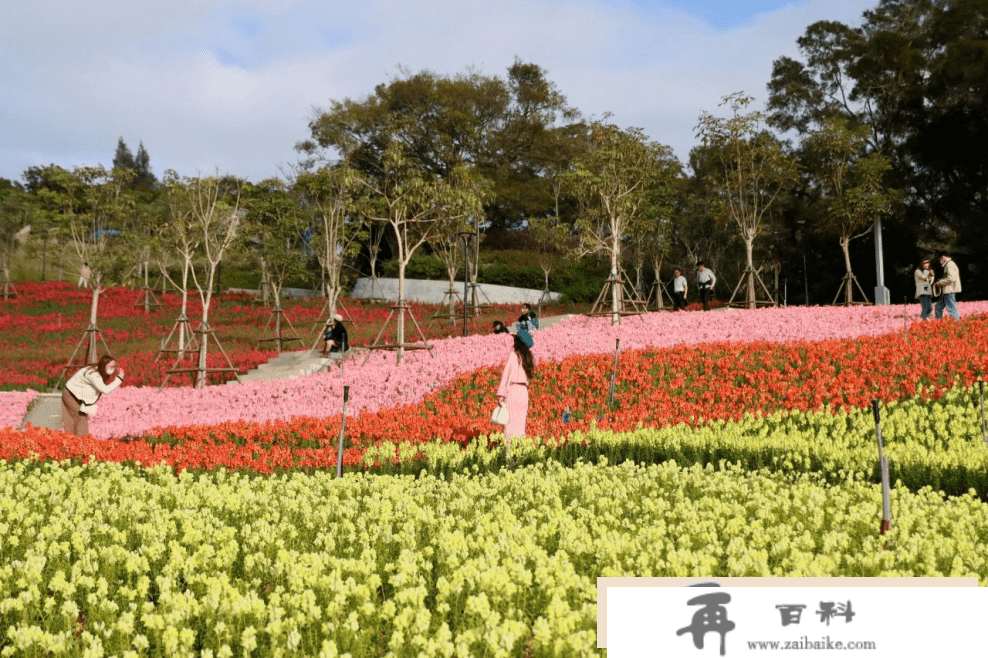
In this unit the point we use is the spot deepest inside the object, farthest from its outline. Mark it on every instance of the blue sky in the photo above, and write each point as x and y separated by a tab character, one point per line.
232	84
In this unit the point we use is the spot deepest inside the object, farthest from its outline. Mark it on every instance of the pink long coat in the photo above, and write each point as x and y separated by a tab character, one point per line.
514	389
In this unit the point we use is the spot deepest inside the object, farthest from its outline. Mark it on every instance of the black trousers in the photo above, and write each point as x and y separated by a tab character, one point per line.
705	297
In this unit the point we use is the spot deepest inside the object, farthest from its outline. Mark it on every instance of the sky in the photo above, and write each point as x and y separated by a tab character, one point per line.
231	85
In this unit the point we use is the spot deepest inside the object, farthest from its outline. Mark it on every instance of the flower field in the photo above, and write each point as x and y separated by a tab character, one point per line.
738	443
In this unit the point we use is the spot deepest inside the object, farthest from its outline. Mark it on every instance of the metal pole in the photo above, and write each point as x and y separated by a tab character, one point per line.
806	278
981	386
610	396
884	464
905	317
881	292
466	267
339	449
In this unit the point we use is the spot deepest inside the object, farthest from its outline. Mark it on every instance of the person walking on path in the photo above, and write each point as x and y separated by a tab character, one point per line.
705	282
924	288
83	391
949	285
512	392
679	289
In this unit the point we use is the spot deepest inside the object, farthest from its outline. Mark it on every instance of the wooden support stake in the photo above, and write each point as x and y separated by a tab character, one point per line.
339	449
981	386
610	396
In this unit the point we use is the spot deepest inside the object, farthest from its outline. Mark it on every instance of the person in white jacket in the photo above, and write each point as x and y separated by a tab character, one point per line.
83	391
924	288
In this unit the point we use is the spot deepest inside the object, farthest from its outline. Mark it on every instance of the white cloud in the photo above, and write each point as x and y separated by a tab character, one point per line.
225	84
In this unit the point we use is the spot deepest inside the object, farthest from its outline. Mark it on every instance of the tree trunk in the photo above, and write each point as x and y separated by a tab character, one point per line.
147	289
400	332
657	265
265	282
845	245
204	336
201	364
451	274
749	249
93	314
184	311
615	283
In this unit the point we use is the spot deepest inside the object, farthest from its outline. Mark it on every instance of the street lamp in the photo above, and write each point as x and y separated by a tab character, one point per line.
465	235
802	241
881	292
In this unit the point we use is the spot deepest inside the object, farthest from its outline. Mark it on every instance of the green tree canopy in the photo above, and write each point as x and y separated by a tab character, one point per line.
509	130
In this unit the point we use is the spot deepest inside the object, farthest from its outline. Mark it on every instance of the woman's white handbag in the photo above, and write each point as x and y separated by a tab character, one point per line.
500	415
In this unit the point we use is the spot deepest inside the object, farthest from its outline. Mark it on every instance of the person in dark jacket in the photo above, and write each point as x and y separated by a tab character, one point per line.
337	340
499	328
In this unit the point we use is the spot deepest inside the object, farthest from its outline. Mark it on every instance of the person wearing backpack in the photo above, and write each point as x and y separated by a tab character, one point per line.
527	320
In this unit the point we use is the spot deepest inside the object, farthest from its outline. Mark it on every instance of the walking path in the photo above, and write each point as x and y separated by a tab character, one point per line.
46	409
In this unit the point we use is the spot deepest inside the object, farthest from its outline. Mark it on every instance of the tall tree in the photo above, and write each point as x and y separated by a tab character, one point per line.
914	72
212	206
618	181
753	170
145	178
506	129
332	197
850	184
123	158
16	214
418	205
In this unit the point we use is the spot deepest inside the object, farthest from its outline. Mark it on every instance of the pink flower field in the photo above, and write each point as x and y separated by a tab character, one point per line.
380	384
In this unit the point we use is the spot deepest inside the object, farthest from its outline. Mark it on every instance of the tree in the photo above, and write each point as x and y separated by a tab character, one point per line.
915	73
417	206
849	182
16	212
507	130
123	158
140	165
551	239
446	245
206	223
274	225
617	180
56	193
145	178
178	235
753	170
331	195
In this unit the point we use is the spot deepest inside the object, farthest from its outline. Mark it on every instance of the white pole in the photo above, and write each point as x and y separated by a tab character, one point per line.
881	292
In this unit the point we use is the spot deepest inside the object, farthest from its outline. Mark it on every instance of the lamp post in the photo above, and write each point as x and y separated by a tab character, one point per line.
465	235
802	242
881	292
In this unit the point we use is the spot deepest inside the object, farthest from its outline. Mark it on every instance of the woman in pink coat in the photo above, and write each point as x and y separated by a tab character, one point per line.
513	390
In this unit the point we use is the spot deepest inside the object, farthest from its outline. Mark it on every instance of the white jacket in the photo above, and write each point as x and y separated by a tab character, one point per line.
924	282
951	281
87	385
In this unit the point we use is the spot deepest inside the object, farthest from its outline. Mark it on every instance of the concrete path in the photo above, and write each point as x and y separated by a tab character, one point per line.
46	409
